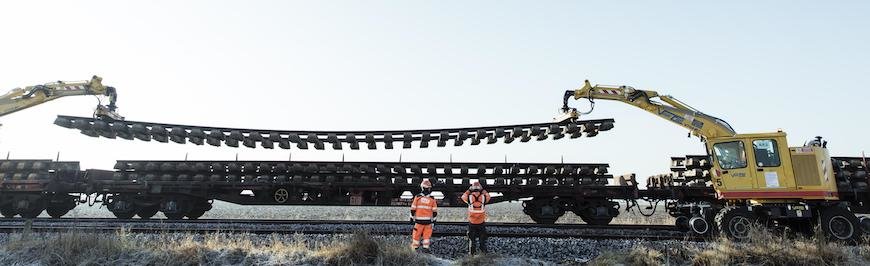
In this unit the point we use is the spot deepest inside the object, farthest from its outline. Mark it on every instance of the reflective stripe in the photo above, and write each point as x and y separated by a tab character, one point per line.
472	200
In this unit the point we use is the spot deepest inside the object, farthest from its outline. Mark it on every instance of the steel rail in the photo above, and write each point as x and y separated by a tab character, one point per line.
344	222
215	136
652	232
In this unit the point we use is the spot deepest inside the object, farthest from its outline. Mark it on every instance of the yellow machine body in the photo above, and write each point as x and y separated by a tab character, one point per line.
758	167
22	98
762	167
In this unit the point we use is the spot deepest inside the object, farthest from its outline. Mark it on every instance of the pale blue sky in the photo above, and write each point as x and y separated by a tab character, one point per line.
356	65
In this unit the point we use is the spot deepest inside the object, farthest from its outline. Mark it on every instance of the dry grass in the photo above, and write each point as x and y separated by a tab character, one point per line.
218	249
764	248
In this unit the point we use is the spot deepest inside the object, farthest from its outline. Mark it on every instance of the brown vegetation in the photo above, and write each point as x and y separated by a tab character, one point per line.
763	248
75	248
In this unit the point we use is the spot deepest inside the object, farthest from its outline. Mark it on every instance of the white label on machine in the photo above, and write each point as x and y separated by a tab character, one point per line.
771	179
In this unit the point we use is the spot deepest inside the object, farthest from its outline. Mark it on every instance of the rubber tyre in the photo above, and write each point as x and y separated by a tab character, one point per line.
735	223
57	211
840	224
699	226
146	212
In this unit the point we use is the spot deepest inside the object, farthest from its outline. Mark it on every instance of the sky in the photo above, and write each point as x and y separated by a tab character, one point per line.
364	65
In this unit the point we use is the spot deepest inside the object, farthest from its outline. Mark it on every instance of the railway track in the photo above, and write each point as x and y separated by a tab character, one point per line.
505	230
285	139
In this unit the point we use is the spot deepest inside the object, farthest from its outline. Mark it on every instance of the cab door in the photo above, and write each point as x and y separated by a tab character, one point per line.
731	169
769	164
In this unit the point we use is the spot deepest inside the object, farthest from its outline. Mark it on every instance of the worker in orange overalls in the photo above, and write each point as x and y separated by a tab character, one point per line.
423	213
476	198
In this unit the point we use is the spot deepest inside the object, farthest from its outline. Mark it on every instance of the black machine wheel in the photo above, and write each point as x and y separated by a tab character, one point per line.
735	222
146	212
56	211
7	211
840	224
699	226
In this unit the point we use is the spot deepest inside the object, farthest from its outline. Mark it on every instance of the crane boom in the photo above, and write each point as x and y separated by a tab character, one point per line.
22	98
700	124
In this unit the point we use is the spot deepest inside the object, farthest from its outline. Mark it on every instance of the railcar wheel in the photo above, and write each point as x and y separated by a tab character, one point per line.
176	208
839	224
198	209
7	211
31	213
735	222
596	220
174	216
682	223
600	213
541	220
195	214
124	214
57	211
543	211
146	212
122	208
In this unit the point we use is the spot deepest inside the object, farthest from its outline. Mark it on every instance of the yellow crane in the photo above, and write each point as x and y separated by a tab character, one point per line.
22	98
757	177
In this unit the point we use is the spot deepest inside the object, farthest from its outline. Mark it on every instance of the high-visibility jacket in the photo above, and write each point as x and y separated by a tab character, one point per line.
423	209
476	201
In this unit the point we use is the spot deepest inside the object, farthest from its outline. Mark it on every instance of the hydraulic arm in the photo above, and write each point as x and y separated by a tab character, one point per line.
23	98
700	124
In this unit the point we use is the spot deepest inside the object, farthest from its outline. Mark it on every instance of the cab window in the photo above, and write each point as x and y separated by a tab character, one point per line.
731	155
766	153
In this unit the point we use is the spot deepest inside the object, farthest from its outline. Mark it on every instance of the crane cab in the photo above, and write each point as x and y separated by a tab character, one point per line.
761	167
